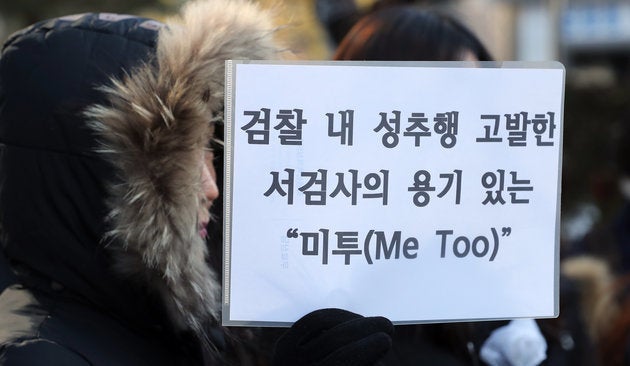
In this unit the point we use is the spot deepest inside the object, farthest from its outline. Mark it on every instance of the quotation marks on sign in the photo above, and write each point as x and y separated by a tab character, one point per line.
292	233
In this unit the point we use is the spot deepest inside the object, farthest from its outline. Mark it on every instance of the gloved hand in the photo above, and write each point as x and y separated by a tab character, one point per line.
330	337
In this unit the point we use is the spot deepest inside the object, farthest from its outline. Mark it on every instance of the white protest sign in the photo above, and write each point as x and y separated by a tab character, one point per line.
421	192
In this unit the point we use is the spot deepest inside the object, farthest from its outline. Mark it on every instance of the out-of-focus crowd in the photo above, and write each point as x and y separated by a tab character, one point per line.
594	323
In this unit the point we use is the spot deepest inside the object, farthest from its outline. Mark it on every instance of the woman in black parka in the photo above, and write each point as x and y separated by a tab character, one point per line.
106	181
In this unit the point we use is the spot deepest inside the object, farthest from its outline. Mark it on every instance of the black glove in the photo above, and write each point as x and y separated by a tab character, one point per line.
330	337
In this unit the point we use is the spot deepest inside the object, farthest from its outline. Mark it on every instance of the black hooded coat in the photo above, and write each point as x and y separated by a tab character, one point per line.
103	119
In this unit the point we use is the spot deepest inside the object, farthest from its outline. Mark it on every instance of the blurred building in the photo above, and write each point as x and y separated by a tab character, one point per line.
591	37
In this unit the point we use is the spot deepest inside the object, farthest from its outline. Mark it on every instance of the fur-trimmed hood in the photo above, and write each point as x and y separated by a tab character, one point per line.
154	130
103	124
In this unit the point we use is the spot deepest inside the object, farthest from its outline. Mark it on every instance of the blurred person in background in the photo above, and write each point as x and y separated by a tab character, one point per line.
338	16
601	297
410	33
405	33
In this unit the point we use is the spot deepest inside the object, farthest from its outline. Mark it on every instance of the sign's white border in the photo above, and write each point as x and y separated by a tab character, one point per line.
230	73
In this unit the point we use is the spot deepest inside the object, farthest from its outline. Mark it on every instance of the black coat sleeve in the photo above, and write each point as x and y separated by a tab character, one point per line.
39	352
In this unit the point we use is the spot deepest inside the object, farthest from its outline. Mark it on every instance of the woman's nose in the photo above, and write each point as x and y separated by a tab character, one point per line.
209	184
210	190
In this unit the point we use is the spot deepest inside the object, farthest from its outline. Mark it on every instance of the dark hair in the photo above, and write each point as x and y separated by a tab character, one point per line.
406	33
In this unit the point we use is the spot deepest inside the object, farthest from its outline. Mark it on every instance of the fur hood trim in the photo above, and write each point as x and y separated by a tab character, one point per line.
154	130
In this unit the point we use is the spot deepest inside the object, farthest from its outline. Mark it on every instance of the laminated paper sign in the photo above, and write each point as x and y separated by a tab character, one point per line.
422	192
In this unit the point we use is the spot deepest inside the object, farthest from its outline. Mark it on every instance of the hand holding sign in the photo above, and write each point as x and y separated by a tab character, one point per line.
330	337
